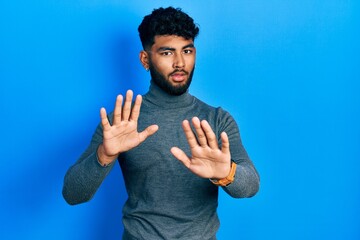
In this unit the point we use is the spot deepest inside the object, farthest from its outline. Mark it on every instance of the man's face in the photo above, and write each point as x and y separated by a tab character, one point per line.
172	63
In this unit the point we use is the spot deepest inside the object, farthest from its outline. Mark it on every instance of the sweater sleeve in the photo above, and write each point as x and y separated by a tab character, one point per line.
247	179
84	178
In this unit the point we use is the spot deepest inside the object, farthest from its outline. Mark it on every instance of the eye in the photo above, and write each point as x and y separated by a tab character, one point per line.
166	53
188	51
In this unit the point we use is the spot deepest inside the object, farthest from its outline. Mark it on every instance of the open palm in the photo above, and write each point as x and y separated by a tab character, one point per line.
207	160
122	135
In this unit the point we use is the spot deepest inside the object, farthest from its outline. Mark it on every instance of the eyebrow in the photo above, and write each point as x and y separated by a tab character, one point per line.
191	45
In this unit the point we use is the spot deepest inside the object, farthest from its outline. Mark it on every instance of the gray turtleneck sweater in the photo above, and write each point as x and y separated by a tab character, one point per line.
165	200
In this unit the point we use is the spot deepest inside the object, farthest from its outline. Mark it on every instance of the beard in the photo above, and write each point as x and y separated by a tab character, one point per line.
166	85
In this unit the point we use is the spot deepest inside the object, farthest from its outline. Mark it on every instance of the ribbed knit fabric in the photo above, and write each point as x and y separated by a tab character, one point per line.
165	200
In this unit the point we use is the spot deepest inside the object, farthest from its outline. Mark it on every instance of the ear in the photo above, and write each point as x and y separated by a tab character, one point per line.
144	59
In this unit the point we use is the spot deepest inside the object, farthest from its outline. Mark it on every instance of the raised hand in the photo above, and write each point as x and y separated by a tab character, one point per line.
122	135
207	160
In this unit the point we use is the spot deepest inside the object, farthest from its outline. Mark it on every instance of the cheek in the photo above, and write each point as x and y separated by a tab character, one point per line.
190	64
190	60
163	67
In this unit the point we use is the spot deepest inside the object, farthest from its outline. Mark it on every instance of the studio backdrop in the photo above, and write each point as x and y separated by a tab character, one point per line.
288	71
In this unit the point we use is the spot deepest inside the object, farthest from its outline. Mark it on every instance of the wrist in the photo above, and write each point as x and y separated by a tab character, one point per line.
228	179
223	171
104	159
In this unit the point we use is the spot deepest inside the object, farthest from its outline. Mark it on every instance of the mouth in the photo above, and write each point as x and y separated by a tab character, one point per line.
178	76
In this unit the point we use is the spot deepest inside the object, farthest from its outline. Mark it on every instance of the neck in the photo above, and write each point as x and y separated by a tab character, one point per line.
160	98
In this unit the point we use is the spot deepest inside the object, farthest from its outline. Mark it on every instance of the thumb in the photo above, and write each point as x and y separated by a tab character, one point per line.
181	156
150	130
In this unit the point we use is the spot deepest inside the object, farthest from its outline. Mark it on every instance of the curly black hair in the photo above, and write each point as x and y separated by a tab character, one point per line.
166	21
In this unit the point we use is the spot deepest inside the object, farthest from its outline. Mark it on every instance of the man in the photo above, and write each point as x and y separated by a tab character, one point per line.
167	199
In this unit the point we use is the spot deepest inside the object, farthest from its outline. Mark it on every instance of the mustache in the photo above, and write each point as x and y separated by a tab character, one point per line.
179	71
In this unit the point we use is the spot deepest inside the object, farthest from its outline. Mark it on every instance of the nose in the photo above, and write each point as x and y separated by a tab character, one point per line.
179	61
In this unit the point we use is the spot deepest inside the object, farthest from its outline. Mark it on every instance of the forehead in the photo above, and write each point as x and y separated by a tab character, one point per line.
170	41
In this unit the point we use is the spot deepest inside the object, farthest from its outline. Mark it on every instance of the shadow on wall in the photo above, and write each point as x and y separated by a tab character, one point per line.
126	73
124	64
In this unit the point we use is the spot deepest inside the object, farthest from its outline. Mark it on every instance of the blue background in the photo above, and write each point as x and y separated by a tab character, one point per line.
288	71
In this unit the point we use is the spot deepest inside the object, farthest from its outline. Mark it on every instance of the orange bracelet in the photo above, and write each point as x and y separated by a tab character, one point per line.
227	180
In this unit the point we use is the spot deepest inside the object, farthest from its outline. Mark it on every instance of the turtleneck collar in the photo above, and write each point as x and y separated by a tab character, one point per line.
162	99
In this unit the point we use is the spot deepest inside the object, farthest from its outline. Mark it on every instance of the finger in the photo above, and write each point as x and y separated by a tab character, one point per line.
127	106
104	120
199	132
225	144
148	132
117	110
181	156
189	134
135	112
210	135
